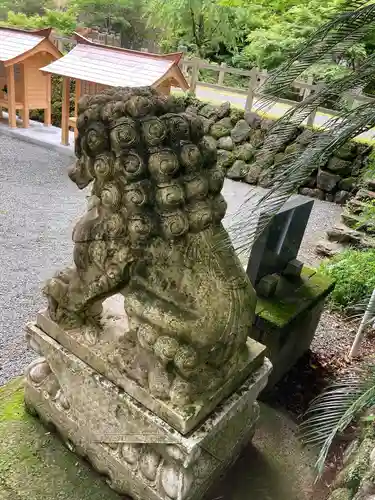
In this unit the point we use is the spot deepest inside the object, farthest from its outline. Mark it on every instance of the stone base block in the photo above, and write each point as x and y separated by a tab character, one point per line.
113	355
141	455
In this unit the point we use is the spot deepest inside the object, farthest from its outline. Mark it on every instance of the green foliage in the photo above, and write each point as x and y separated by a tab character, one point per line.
122	16
332	412
65	22
200	25
354	273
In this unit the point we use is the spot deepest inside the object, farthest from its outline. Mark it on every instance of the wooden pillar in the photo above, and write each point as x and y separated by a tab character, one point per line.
194	75
251	90
26	110
48	109
65	111
11	97
76	101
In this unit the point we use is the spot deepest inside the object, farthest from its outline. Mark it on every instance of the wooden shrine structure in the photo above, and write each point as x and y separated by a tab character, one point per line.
22	85
95	67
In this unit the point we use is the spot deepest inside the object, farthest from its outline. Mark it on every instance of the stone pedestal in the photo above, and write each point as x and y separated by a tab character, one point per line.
161	398
287	319
141	454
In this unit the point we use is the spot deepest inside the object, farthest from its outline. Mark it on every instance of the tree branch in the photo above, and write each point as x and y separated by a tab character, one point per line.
195	35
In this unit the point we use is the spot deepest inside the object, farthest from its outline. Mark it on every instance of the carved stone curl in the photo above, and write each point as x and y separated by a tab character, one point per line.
153	233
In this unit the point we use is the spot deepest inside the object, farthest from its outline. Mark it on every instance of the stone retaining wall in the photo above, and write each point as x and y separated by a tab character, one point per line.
240	136
356	228
356	481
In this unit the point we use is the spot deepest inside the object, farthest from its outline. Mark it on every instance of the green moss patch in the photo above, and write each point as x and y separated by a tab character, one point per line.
34	464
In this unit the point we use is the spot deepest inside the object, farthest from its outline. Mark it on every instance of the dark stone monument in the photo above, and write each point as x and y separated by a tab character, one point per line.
279	243
290	295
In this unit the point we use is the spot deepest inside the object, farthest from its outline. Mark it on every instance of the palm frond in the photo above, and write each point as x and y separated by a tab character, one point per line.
345	29
252	218
332	412
285	127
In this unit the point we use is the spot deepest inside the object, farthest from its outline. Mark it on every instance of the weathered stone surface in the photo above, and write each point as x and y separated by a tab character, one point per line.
293	268
305	138
326	180
313	193
365	194
341	197
355	206
115	356
224	109
281	159
257	138
253	174
343	234
338	166
310	182
155	210
351	220
267	285
240	132
341	494
209	111
192	109
347	151
266	124
225	143
326	248
221	128
265	180
236	114
238	170
351	476
244	152
347	184
371	184
252	119
224	158
142	455
358	164
292	148
207	124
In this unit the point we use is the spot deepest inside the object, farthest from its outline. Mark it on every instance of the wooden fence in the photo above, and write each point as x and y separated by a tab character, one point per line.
256	77
192	68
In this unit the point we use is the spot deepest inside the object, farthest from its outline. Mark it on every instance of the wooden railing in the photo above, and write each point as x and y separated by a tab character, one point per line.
192	68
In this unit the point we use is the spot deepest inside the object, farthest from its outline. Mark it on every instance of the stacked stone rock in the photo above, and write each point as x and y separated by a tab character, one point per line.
240	136
355	230
356	481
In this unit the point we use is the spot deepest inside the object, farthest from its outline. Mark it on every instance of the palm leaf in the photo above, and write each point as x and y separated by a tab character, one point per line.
332	412
252	218
285	127
345	29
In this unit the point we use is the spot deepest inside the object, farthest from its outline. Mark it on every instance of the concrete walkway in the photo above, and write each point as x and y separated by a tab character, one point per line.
34	464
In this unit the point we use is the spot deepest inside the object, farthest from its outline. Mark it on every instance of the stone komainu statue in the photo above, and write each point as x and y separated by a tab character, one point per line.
153	233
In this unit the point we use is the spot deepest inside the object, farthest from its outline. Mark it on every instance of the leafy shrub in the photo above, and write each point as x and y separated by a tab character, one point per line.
354	273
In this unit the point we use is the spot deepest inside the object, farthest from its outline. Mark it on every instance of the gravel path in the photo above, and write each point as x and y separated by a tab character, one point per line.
39	205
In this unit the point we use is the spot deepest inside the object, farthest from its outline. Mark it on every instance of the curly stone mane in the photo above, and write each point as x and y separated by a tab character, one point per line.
153	233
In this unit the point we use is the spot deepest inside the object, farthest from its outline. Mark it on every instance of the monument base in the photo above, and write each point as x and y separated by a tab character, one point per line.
141	455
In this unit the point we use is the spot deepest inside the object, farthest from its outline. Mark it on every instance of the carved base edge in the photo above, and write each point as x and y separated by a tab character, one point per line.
140	454
97	356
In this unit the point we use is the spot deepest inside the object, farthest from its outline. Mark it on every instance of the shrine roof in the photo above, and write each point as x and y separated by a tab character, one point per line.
116	67
16	45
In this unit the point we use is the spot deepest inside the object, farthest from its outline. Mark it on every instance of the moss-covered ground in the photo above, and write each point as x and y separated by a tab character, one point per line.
35	465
